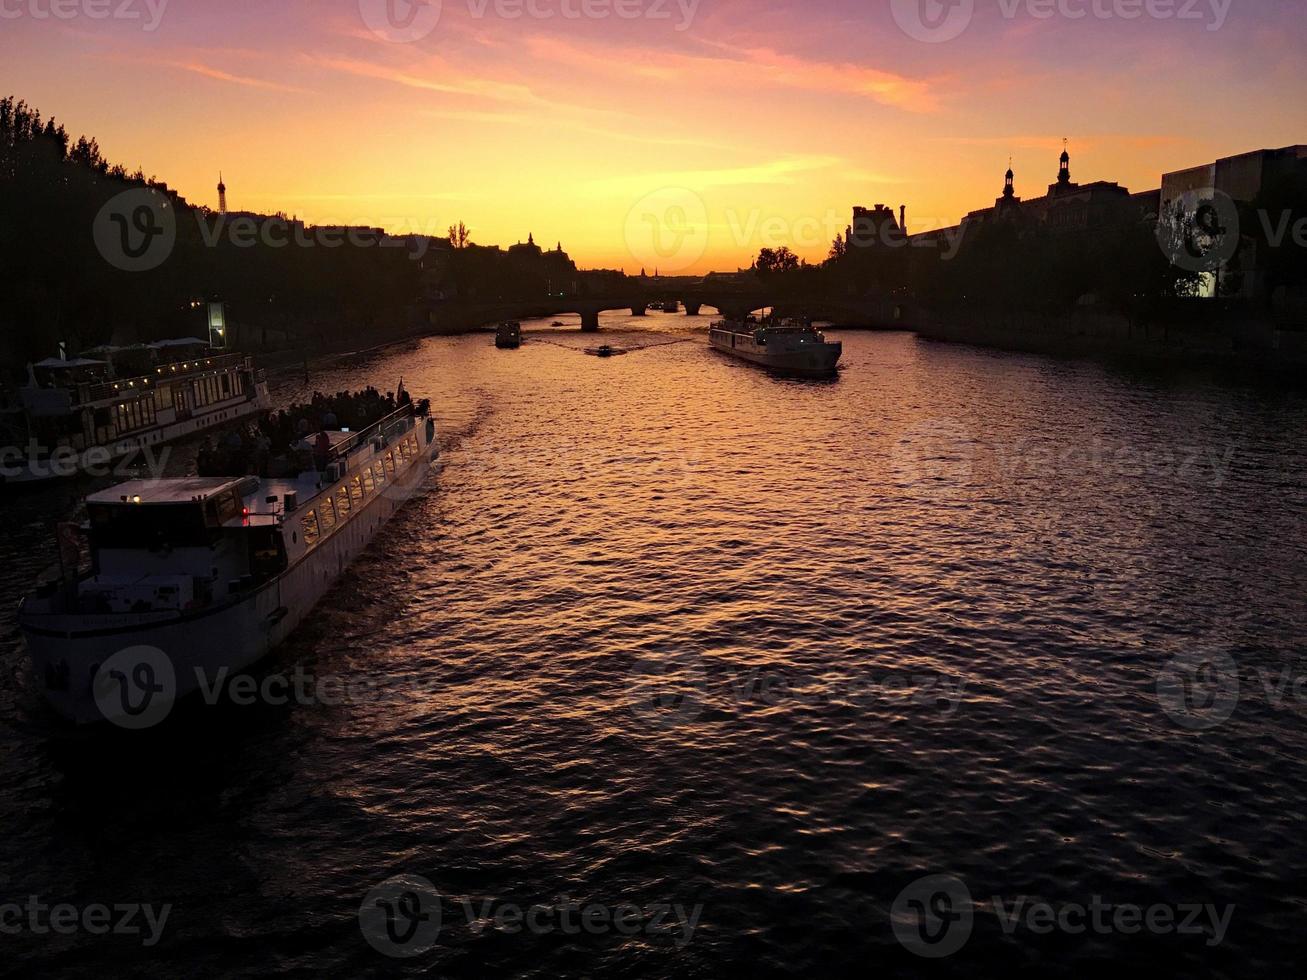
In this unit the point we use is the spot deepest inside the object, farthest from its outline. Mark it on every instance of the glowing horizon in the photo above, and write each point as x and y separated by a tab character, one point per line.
758	123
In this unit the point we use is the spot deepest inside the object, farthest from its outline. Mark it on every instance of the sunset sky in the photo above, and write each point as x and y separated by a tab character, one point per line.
772	117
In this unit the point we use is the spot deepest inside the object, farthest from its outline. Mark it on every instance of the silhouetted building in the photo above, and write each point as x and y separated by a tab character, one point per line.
1067	206
874	227
222	194
1241	179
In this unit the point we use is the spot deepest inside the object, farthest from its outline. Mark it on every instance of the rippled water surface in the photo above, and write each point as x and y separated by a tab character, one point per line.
665	630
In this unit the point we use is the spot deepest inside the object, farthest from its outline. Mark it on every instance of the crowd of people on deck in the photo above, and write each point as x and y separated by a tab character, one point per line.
295	439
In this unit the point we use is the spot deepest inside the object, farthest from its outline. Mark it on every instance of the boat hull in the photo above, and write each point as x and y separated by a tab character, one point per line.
820	362
200	649
34	473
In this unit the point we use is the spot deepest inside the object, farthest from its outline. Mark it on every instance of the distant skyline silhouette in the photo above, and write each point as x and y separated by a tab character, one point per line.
773	117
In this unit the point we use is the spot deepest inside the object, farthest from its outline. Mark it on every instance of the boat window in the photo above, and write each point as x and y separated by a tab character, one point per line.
356	490
390	463
228	505
368	487
328	516
309	525
342	502
379	474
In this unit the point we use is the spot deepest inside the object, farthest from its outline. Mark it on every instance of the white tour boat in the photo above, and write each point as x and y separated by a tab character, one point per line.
190	576
73	417
784	346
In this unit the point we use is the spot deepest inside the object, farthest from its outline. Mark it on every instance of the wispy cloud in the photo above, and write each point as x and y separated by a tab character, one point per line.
199	68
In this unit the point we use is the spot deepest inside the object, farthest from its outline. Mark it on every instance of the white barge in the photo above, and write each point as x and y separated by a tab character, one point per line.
190	576
787	347
75	419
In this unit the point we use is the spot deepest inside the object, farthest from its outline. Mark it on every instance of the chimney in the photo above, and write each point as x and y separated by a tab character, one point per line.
903	218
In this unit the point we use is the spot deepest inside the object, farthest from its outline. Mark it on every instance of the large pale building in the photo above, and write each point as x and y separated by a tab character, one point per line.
1240	180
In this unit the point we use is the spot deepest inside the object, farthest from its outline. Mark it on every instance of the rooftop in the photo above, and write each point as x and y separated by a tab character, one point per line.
177	490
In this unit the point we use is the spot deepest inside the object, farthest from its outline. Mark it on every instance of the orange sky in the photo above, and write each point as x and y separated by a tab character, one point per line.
685	141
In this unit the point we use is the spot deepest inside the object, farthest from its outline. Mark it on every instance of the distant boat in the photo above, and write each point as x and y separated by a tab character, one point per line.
509	335
186	579
790	347
74	415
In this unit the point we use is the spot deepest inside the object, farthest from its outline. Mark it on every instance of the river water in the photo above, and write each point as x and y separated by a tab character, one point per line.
691	669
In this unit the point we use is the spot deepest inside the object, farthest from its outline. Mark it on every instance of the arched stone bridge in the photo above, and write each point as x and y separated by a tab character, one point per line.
731	303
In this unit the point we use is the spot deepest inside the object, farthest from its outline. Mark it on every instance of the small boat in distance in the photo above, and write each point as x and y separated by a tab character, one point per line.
790	347
509	335
173	584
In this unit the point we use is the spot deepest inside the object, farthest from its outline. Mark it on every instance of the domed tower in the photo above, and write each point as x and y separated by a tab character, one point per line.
1064	166
1009	188
222	195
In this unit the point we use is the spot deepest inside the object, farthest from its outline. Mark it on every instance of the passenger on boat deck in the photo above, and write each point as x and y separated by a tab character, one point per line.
321	450
329	421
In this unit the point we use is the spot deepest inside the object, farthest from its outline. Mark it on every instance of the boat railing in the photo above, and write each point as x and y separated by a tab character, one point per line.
399	420
123	387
